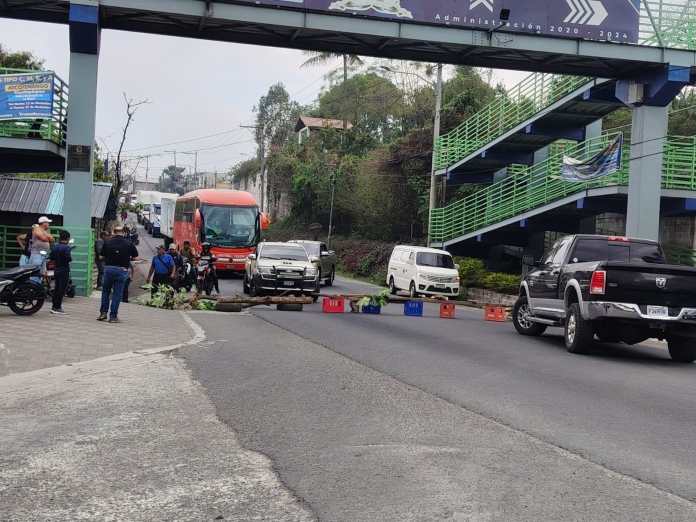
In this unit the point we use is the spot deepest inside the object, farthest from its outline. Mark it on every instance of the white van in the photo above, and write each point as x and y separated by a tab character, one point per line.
422	270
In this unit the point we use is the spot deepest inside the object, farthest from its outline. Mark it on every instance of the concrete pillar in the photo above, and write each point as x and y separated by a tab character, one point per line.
541	155
82	109
648	133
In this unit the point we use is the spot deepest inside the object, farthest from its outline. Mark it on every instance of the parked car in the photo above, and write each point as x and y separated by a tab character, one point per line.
615	288
281	268
327	259
422	271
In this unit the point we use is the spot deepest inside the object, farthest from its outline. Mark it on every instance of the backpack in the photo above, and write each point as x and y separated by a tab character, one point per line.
27	243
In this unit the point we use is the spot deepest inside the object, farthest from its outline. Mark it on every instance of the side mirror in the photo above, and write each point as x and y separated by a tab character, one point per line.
456	267
265	221
251	257
313	259
332	252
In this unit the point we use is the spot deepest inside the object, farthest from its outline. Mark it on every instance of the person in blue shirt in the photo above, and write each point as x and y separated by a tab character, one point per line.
161	270
60	255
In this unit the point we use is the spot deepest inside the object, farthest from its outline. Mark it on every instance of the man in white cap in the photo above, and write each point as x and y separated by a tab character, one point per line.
41	240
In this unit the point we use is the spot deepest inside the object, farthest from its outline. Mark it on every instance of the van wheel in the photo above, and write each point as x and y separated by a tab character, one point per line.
392	286
522	319
412	290
330	280
682	349
245	286
579	333
253	291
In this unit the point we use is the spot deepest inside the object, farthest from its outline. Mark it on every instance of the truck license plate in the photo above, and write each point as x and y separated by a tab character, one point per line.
658	312
289	283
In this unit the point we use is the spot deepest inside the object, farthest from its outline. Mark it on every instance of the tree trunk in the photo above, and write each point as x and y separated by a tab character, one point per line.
345	82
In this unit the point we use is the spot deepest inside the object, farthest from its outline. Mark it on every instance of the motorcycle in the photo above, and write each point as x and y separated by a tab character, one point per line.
184	276
19	292
204	279
133	237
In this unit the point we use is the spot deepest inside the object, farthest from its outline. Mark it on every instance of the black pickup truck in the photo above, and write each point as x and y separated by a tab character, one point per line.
615	288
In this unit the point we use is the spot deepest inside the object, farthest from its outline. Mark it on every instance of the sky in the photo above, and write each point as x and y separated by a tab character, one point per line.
195	88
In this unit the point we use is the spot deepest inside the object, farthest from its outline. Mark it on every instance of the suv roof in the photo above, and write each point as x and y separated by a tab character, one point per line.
422	249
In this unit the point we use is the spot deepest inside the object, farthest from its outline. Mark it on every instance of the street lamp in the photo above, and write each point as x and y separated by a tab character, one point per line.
436	137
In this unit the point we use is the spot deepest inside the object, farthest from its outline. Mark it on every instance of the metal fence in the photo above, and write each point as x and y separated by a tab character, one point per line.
541	184
81	268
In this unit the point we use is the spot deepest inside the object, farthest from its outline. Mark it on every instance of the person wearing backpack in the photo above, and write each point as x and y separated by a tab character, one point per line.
24	242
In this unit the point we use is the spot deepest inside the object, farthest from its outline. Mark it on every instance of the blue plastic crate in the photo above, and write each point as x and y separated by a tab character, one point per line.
372	309
413	308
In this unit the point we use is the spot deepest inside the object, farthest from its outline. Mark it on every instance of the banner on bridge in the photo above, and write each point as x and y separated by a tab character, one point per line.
26	96
612	20
604	163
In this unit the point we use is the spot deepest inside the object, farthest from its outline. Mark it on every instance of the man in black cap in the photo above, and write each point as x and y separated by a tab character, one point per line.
117	253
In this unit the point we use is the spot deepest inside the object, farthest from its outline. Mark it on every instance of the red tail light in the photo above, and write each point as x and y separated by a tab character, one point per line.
598	283
623	239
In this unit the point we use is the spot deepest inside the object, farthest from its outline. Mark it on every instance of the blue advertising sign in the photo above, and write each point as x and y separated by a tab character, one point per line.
26	96
612	20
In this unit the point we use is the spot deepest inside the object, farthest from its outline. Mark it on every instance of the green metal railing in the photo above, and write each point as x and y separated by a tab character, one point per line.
541	184
53	129
668	23
532	95
81	268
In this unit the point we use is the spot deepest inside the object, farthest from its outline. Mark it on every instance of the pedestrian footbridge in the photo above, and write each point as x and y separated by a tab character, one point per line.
509	205
540	110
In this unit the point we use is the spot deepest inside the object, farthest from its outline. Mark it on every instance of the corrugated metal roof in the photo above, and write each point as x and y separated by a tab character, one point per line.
41	196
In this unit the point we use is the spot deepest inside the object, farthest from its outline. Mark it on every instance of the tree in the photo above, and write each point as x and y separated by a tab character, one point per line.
275	115
172	180
318	58
131	108
243	171
19	60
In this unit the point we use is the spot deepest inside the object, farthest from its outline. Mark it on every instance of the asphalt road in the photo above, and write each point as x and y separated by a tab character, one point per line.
627	409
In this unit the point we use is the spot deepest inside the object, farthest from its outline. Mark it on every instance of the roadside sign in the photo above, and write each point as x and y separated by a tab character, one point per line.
26	96
611	20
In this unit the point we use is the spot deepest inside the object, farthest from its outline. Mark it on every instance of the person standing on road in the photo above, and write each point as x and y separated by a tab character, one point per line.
60	255
98	248
41	240
118	253
162	268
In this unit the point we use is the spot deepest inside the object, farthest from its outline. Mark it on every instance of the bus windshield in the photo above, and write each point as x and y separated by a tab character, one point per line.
230	226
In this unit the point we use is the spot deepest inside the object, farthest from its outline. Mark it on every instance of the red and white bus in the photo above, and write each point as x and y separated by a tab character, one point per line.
227	219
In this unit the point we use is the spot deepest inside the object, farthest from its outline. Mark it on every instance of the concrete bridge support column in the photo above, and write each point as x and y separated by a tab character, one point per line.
82	109
648	133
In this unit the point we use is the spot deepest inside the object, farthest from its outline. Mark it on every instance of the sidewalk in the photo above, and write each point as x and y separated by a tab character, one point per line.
45	340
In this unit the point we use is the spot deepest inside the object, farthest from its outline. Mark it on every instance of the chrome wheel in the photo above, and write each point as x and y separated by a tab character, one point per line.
524	317
571	329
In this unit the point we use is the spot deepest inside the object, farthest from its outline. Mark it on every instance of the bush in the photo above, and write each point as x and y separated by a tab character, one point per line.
471	270
473	274
499	282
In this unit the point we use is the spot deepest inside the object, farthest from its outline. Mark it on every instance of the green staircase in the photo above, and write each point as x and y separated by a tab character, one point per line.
540	185
509	110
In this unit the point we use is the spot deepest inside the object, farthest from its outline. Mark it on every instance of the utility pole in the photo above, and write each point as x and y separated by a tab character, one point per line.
333	191
172	152
436	137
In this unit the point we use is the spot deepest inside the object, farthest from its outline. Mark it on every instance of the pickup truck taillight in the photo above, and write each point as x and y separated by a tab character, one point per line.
598	283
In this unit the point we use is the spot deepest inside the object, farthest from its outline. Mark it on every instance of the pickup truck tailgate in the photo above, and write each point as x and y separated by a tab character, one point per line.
651	284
